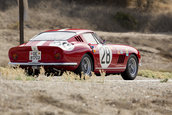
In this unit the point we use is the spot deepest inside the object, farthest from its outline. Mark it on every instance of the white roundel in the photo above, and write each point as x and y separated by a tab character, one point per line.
63	45
105	54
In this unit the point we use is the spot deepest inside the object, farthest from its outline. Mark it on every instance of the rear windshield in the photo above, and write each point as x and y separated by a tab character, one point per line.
54	36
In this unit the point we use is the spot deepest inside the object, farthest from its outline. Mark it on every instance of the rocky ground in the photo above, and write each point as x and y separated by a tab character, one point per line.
108	96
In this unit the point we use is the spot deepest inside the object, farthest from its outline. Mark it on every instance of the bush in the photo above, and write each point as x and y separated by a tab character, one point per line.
127	21
155	74
5	4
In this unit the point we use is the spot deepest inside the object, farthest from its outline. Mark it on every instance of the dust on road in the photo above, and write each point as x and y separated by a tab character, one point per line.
112	96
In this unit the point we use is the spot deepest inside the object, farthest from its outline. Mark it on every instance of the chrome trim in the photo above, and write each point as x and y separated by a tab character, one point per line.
44	64
112	68
140	64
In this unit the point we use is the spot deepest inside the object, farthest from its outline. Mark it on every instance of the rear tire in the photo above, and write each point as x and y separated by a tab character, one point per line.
29	72
32	72
85	66
132	68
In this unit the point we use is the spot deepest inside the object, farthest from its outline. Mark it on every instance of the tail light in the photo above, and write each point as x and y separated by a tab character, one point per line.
57	56
15	56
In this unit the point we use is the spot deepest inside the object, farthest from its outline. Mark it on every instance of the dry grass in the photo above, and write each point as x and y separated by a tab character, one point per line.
70	76
155	74
10	73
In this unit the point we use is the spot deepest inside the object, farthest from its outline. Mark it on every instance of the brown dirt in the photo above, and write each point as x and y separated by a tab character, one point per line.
112	96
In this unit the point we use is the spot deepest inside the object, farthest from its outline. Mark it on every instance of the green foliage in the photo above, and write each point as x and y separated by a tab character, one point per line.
164	80
27	78
155	74
126	20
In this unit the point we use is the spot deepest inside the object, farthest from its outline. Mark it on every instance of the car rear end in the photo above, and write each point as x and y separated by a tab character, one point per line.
46	56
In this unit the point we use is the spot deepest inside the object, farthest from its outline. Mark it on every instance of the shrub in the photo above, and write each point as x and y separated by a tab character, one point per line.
155	74
127	21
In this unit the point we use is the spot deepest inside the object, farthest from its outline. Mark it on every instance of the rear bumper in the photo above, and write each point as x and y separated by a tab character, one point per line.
43	64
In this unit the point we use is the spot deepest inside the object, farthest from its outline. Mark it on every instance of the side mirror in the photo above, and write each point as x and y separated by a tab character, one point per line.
104	41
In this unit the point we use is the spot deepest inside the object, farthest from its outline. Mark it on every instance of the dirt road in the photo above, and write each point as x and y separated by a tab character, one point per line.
112	95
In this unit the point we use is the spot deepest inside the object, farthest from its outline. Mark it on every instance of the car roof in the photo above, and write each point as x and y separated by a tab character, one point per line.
77	31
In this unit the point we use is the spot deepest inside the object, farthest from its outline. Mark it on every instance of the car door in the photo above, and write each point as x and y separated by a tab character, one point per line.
107	55
112	57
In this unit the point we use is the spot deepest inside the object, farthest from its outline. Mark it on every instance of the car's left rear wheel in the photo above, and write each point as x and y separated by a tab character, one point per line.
32	72
86	66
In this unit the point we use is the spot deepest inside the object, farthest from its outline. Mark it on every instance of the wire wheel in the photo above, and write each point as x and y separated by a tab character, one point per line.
86	66
132	66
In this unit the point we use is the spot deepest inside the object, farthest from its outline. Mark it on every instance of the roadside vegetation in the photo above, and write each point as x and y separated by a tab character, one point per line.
9	73
155	74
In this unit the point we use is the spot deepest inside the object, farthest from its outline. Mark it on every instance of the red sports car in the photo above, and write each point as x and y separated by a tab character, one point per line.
75	50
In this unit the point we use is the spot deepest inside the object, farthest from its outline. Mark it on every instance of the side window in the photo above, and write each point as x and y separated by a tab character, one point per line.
89	38
98	38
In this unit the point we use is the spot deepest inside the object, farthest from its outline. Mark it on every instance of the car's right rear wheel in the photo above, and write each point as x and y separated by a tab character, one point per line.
132	68
32	72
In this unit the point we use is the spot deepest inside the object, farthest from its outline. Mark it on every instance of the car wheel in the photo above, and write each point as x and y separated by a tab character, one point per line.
31	72
36	72
132	68
86	66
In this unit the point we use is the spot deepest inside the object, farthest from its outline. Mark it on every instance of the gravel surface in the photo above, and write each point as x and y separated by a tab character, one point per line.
108	96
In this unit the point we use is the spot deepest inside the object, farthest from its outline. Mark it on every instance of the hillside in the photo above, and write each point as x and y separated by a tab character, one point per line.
110	18
103	15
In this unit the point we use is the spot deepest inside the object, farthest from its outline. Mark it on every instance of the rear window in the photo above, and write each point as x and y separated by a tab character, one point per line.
54	36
